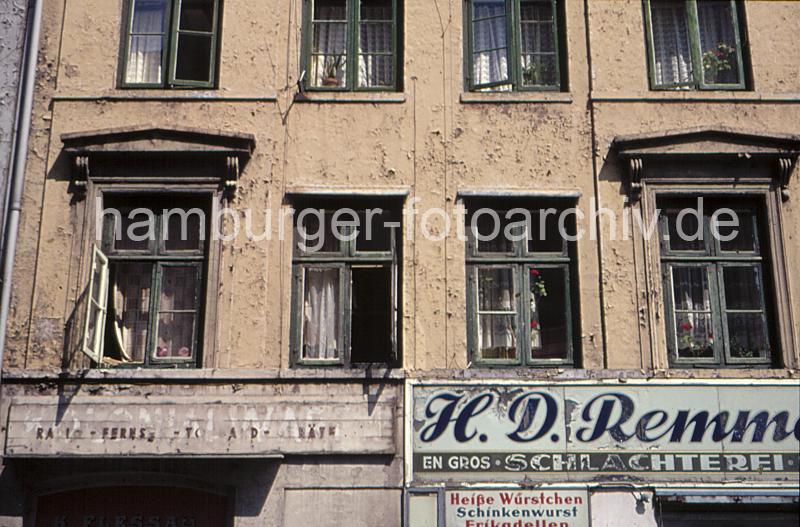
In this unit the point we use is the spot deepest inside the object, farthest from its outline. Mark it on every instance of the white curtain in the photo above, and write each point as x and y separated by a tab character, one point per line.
146	42
329	42
671	43
490	64
320	314
131	309
497	330
375	67
715	22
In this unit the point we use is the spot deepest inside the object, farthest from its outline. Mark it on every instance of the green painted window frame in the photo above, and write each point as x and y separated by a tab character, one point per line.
352	55
344	258
513	28
160	258
714	260
169	51
692	19
521	261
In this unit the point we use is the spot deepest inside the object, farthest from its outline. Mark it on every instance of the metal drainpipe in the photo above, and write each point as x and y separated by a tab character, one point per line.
17	176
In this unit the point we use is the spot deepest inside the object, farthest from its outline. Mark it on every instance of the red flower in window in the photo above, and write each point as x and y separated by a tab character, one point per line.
534	324
534	272
686	326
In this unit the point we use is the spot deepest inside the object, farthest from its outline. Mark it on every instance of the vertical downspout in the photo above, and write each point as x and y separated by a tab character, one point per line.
596	177
17	175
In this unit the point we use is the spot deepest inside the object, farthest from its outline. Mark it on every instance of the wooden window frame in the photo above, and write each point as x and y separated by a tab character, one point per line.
352	55
160	258
693	30
521	261
344	259
513	29
714	260
169	50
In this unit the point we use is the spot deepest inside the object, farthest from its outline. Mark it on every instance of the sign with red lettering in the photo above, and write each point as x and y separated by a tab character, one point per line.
517	508
132	506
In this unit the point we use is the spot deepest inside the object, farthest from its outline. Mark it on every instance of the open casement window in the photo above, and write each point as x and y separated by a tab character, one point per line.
695	44
520	288
513	45
96	306
171	43
738	510
351	45
715	285
146	294
346	288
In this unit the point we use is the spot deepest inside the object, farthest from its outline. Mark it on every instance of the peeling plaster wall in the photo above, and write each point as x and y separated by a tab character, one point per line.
425	140
12	43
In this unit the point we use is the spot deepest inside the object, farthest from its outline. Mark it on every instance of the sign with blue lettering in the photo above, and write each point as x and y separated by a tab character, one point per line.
700	431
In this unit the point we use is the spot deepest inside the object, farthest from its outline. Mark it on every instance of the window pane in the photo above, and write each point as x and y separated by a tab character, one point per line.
314	238
537	36
747	335
491	228
329	44
376	71
670	42
370	329
330	9
321	314
184	235
178	288
490	42
496	289
136	231
197	15
149	16
376	236
376	9
718	42
743	236
130	310
144	60
683	238
175	336
497	331
695	335
548	305
690	286
376	59
193	58
544	235
742	287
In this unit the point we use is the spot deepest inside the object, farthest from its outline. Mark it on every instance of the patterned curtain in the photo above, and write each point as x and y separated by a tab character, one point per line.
717	42
146	45
329	46
671	43
376	58
490	42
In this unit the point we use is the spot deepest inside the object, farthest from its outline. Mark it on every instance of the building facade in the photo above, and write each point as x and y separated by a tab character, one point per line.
187	347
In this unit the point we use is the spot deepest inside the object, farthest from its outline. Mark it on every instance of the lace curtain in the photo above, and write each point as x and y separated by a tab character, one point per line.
490	42
145	48
671	43
320	314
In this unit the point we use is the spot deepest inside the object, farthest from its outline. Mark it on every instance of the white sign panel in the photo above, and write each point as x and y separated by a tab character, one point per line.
517	508
716	431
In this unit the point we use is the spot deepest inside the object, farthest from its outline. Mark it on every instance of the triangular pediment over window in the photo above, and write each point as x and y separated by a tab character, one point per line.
153	154
708	154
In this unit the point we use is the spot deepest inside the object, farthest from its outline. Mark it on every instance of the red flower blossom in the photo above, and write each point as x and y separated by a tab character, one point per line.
686	326
534	324
534	272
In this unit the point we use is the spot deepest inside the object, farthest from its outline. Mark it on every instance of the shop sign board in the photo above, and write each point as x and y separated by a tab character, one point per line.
201	426
517	508
480	432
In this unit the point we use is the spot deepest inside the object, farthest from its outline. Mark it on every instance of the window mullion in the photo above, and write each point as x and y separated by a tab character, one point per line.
694	42
346	312
524	352
170	62
353	9
738	38
718	315
152	322
514	44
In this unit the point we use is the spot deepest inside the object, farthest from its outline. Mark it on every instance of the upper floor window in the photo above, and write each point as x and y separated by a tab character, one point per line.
520	286
171	43
716	278
145	298
695	44
513	45
346	286
352	44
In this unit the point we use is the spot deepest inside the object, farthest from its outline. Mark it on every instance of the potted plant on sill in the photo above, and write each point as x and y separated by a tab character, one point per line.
330	70
718	64
536	74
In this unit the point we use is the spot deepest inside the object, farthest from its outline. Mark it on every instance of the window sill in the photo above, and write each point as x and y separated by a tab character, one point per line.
205	374
534	97
350	97
166	94
660	96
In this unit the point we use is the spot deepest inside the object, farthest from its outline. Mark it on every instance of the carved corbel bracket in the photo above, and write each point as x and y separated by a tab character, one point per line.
232	172
81	171
635	171
785	166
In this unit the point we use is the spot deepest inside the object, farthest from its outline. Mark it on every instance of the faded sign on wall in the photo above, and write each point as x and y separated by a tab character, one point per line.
517	508
578	431
228	426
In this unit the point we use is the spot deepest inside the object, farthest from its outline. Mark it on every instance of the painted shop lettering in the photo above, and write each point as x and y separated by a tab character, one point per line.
533	415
